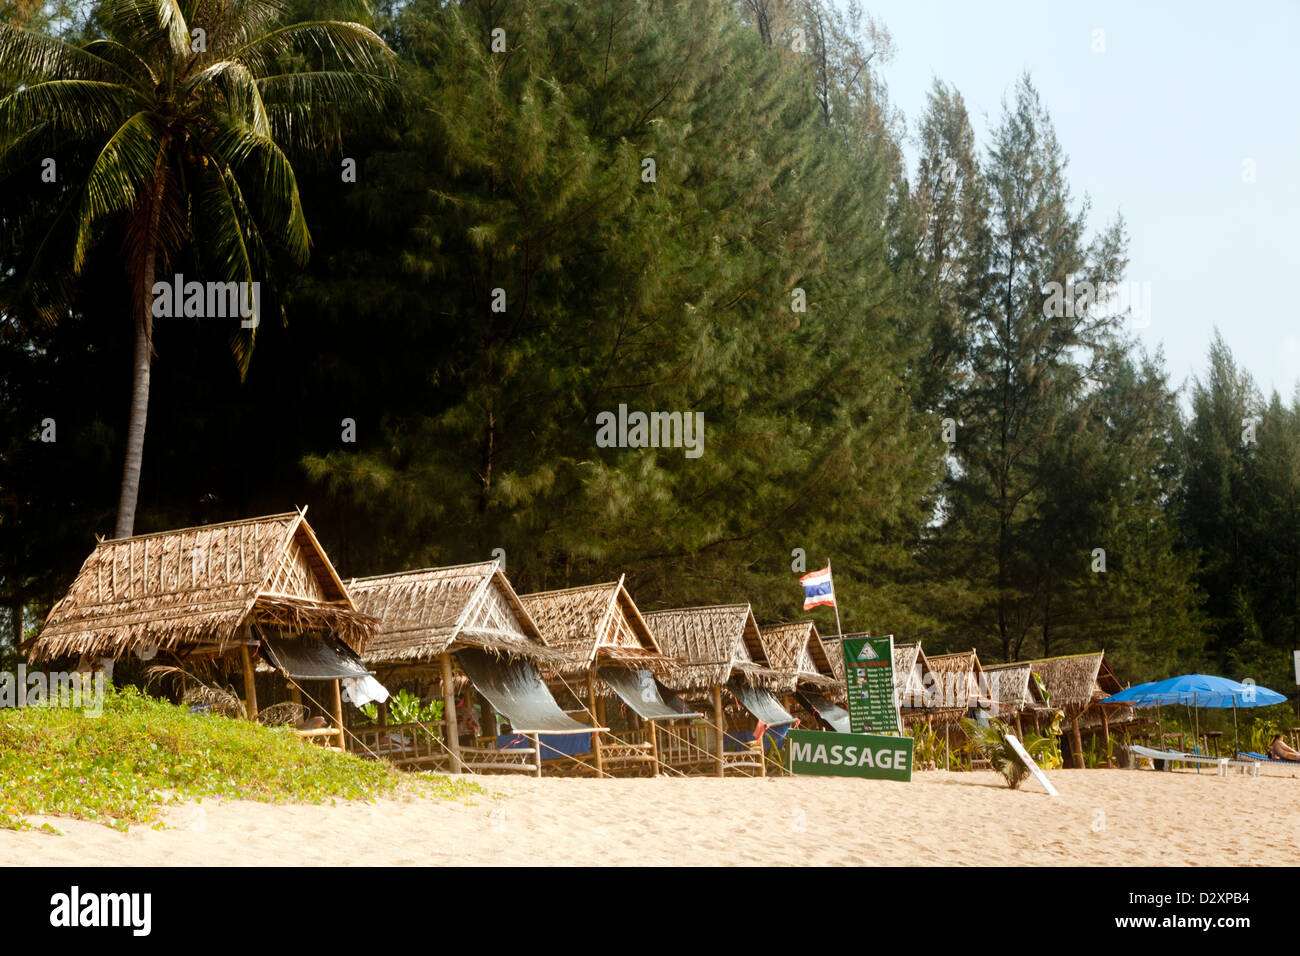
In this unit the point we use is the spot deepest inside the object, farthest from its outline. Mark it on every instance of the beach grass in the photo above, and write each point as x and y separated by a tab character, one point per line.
123	766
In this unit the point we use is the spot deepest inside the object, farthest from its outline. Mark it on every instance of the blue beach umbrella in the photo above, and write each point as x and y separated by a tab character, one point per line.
1199	690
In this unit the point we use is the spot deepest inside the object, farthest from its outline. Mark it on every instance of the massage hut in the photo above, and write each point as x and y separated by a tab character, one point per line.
720	648
441	628
958	687
1014	692
608	650
1076	685
796	649
237	595
912	675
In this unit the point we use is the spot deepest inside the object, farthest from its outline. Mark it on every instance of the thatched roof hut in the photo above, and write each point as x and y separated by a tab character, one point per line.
1011	689
958	684
797	649
425	614
594	624
201	593
910	669
714	643
1074	682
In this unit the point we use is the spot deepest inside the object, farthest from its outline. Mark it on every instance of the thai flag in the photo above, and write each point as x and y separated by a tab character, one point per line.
817	588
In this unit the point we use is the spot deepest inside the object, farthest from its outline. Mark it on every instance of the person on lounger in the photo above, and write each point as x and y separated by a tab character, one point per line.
1280	750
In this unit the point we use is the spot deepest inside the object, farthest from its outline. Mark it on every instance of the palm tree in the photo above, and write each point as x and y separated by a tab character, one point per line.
178	114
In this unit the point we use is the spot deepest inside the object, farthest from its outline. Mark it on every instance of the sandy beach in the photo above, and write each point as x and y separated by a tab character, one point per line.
1102	817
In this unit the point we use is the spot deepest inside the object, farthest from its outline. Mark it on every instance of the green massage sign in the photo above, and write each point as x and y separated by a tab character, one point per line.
816	753
869	673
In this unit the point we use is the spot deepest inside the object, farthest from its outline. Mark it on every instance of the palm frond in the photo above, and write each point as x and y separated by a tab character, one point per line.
230	82
146	25
83	107
28	57
327	44
308	109
124	167
129	63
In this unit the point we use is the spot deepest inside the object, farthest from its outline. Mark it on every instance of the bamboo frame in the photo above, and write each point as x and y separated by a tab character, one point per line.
449	714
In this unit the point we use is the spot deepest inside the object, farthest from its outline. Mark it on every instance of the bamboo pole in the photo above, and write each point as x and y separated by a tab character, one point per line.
721	728
1077	742
250	684
336	696
537	754
1105	730
654	747
449	715
595	734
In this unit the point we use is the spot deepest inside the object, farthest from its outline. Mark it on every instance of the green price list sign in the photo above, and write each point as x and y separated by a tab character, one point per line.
869	672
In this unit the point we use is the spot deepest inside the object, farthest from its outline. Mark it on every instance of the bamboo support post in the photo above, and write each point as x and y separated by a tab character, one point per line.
250	684
720	726
537	754
449	715
1076	741
1105	730
336	699
654	747
595	734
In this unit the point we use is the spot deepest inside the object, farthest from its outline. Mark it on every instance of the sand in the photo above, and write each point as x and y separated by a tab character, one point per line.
1103	817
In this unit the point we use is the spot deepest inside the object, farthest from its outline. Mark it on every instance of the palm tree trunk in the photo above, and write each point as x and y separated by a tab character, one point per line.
130	492
143	293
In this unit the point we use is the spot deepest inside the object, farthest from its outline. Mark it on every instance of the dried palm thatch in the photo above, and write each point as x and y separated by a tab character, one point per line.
714	643
796	649
197	591
595	624
217	698
1075	683
1011	689
424	614
956	684
910	669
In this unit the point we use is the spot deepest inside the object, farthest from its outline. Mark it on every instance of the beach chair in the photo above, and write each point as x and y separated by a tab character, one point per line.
1265	758
1165	759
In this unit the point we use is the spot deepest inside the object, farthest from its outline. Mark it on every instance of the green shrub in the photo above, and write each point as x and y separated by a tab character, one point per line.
120	768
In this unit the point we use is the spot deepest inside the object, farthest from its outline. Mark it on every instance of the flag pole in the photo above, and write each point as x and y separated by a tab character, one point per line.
839	631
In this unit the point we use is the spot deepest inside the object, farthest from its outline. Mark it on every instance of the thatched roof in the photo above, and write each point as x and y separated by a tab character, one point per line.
1011	689
960	682
1075	682
834	648
594	624
423	614
797	649
715	643
193	591
910	668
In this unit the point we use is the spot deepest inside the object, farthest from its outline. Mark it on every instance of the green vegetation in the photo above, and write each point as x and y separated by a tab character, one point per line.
141	754
405	707
896	365
991	742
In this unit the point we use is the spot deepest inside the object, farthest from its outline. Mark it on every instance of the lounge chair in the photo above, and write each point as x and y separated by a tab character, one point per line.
1265	758
1164	759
